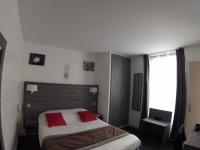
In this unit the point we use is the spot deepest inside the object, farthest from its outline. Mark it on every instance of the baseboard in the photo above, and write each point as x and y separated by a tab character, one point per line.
123	126
136	128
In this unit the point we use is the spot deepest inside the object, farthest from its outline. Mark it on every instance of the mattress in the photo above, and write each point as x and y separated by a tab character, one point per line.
74	125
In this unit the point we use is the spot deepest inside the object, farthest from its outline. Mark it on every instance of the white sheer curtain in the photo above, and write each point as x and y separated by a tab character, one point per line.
162	82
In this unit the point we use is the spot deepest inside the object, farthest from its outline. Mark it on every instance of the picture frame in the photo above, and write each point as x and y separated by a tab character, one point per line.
88	66
37	59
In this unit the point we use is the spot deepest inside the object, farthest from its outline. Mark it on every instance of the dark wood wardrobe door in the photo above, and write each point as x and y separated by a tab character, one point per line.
125	97
115	90
120	90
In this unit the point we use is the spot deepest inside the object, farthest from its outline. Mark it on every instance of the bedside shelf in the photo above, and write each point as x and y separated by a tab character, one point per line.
99	116
28	142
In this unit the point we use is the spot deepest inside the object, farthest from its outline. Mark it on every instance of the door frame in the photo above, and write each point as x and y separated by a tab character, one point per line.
3	44
193	96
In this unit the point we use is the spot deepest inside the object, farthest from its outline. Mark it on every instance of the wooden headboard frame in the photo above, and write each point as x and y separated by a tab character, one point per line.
51	96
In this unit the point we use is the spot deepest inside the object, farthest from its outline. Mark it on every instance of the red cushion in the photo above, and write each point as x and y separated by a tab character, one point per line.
86	116
55	119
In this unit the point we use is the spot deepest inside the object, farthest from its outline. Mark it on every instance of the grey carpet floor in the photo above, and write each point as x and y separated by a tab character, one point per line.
150	142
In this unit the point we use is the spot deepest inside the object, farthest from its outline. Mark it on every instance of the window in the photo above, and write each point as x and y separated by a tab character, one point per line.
162	82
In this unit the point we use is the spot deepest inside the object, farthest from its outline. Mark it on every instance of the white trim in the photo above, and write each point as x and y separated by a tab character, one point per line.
135	127
124	126
119	54
108	107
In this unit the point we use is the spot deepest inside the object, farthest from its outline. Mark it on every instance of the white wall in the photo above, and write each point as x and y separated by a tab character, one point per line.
10	92
103	80
137	66
55	60
192	53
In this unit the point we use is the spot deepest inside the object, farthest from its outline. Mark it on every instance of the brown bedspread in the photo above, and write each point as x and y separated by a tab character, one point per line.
83	140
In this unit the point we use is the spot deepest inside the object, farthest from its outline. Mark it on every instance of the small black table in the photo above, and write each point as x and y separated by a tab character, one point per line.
156	128
193	142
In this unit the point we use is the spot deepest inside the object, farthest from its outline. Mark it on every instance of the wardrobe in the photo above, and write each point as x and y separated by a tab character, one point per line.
119	90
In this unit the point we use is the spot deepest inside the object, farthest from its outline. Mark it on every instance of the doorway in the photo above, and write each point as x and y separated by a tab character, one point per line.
194	97
3	44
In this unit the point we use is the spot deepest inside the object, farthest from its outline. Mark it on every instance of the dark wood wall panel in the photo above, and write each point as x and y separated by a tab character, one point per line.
52	96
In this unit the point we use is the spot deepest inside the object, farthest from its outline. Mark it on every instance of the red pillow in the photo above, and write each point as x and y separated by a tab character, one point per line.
55	119
86	116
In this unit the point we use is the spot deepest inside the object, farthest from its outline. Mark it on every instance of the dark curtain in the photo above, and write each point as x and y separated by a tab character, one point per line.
145	88
179	115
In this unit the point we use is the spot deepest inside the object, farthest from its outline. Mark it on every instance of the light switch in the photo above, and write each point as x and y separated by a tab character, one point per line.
19	108
28	105
93	104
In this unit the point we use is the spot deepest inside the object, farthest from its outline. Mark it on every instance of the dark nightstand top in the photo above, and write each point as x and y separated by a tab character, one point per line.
99	116
28	142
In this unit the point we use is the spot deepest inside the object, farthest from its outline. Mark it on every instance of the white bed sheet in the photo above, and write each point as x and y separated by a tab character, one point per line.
74	125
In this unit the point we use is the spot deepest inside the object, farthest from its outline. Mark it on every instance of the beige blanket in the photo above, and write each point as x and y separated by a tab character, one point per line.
83	140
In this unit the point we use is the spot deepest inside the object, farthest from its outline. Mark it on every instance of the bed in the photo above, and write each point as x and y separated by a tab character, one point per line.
75	126
68	99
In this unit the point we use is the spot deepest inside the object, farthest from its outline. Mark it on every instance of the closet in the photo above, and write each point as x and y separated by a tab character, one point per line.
120	90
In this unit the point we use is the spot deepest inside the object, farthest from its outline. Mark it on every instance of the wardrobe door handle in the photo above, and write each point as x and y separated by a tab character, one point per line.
121	92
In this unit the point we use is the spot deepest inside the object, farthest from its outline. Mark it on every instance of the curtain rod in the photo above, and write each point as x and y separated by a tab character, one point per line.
162	53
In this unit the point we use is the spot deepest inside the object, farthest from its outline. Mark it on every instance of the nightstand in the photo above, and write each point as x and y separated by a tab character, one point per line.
32	131
192	143
99	116
28	142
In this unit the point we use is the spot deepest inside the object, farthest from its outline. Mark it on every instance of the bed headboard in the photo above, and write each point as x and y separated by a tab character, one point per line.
51	96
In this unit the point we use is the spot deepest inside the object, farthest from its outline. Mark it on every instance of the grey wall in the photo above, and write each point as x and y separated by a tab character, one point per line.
103	75
137	66
11	88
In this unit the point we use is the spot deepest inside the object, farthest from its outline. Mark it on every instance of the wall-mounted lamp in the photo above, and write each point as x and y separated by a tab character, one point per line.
93	90
32	88
66	71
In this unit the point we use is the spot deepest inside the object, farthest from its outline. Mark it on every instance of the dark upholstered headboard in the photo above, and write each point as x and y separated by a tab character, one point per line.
51	96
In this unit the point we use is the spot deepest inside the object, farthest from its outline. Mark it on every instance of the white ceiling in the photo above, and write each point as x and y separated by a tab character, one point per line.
124	26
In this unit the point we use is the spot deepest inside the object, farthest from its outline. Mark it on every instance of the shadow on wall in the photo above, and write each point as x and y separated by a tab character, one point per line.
3	44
